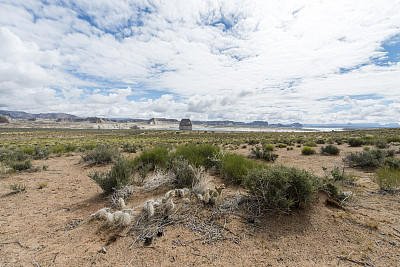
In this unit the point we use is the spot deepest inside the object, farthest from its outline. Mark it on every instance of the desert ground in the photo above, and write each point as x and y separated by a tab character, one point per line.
52	226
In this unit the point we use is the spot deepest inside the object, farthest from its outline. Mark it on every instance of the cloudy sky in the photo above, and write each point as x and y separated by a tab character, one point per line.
283	61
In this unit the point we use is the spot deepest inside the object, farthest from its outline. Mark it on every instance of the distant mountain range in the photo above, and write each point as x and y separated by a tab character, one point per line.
64	117
27	116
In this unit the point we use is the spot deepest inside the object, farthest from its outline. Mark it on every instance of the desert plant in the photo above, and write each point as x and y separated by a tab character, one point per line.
393	163
371	159
150	159
269	147
339	174
306	150
281	187
183	171
381	143
355	142
21	165
121	174
281	145
101	154
18	188
40	153
320	141
330	150
367	148
130	148
233	167
42	184
388	178
197	155
310	144
266	155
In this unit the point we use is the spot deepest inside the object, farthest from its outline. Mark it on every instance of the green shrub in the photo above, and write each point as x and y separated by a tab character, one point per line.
355	142
101	154
306	150
381	143
200	155
121	174
321	141
339	174
58	149
393	163
281	145
281	187
130	148
156	157
41	153
330	150
388	179
369	159
366	148
233	167
28	150
184	172
70	147
21	165
269	147
266	155
18	188
310	144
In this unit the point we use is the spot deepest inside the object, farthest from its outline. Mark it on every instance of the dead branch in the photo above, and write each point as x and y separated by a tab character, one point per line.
362	263
15	242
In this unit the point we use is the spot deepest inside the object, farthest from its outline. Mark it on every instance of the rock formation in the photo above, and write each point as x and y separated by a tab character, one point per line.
5	119
185	124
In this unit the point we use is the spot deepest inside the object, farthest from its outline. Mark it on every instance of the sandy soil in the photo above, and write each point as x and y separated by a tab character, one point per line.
53	225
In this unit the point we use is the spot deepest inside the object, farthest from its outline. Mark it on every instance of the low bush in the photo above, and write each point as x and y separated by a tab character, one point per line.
233	167
367	148
18	188
330	150
281	187
381	143
371	159
269	147
41	153
263	154
393	163
21	165
355	142
388	178
310	144
321	141
130	148
306	150
121	174
281	145
200	155
183	171
339	174
157	157
101	154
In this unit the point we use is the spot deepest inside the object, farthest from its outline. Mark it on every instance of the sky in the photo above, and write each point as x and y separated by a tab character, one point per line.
286	61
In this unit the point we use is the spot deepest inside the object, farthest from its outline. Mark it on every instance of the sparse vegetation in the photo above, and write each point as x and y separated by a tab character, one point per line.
233	168
306	150
388	178
261	153
330	150
42	184
101	154
355	142
18	188
281	187
121	174
365	159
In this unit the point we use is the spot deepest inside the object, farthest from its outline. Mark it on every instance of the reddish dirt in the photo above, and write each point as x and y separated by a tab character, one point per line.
54	228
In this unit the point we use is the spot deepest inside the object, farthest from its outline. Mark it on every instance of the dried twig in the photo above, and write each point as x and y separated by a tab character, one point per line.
15	242
134	256
37	264
363	263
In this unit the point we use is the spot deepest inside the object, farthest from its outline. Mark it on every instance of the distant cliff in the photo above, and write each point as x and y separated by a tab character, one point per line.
27	116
